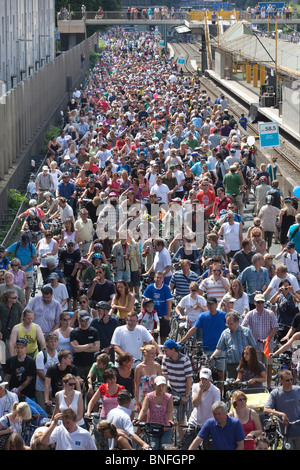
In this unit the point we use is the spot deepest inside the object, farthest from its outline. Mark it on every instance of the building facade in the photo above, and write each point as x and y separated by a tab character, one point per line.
27	39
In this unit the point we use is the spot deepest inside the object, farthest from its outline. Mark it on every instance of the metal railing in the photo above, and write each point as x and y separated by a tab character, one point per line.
142	15
119	15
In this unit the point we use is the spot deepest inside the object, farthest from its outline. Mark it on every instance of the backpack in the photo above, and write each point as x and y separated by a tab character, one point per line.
18	246
275	193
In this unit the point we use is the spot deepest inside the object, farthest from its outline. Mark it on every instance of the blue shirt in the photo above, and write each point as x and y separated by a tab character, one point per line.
66	191
225	438
254	281
4	262
212	327
243	122
234	342
23	253
296	238
160	298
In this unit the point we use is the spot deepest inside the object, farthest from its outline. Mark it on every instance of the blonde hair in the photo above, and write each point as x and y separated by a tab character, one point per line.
23	410
145	349
236	395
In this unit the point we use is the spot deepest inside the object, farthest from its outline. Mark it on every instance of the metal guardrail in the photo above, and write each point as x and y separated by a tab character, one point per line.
177	15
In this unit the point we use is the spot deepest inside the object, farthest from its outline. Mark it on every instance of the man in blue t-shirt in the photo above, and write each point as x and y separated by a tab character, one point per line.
25	251
243	121
226	432
212	323
162	297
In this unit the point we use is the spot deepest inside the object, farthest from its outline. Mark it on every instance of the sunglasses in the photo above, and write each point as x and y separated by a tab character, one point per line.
73	384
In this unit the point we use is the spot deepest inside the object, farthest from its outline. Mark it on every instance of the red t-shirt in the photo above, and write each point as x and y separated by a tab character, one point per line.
221	205
206	199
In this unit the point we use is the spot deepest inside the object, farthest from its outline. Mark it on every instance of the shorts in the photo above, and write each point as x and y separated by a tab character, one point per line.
164	327
135	278
72	287
264	359
123	276
183	411
29	277
218	363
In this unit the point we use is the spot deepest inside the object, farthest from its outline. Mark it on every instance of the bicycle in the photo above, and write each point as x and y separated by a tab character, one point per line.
92	422
278	439
27	432
282	362
153	432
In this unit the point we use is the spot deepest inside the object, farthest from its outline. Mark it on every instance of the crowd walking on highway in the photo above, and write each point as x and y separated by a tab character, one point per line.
141	306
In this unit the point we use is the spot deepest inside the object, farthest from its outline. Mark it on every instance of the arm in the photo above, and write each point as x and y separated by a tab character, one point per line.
47	390
280	414
196	443
13	339
89	347
92	403
190	333
143	413
45	439
287	345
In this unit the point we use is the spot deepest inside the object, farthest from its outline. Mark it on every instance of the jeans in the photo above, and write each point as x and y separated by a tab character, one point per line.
156	442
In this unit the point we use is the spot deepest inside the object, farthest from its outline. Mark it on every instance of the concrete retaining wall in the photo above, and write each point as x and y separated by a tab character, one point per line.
29	109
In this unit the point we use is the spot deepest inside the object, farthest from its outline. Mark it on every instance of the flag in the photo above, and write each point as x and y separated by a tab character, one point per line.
266	349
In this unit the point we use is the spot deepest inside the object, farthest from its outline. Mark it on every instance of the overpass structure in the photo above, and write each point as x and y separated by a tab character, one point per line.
72	27
75	25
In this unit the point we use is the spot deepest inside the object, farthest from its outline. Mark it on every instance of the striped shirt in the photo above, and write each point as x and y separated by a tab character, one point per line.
261	326
214	288
234	342
181	282
177	372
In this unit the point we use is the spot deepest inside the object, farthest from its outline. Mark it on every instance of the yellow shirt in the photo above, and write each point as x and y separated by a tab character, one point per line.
31	337
122	314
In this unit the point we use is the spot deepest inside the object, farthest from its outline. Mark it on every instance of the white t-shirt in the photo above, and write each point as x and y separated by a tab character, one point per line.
162	192
80	439
161	260
202	412
40	365
275	281
131	341
180	177
187	303
60	293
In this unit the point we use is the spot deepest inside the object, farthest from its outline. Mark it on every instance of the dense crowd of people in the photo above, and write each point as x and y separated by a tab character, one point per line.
135	225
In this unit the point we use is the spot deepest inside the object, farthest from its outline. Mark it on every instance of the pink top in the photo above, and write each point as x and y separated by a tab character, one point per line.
18	277
158	413
108	401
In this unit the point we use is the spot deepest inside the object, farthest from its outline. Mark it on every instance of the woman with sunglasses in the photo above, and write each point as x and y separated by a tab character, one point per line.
63	332
69	397
83	305
258	243
248	418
